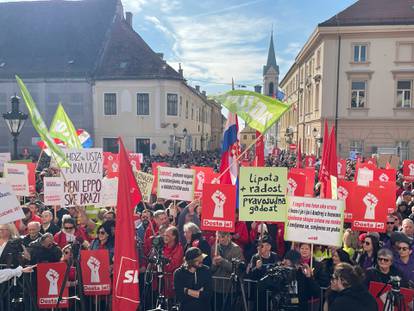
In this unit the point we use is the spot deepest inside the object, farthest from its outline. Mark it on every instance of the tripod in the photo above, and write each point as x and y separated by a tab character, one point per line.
236	282
159	261
75	249
394	299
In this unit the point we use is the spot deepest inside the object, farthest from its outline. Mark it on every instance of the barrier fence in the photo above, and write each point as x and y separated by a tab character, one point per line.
19	294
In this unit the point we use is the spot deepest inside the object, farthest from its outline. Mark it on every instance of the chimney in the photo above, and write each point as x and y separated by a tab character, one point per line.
180	71
128	18
204	93
197	88
258	89
161	55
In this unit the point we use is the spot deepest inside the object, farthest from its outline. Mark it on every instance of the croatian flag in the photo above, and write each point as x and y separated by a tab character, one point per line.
230	151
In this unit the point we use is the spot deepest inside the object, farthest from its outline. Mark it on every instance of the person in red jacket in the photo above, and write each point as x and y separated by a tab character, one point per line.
70	234
240	235
160	219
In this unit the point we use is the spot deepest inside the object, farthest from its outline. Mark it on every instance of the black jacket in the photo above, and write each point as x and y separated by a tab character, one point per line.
11	254
198	241
197	280
39	254
267	263
356	298
375	275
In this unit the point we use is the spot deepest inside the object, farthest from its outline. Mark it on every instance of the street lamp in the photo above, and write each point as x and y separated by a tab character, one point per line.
289	135
318	140
15	120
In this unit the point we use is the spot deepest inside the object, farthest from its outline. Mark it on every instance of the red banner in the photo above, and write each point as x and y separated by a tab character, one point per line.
154	167
310	178
219	207
310	161
203	175
375	289
296	184
341	168
372	161
345	192
49	282
369	209
408	170
384	175
388	189
111	163
95	272
135	160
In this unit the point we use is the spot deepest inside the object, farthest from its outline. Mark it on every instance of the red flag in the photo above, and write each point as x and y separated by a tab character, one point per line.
259	160
329	166
332	158
125	283
325	148
299	156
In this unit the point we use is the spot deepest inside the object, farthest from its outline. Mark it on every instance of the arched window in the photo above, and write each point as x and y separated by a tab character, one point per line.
271	89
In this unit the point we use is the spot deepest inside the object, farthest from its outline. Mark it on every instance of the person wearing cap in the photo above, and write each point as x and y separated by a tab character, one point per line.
193	282
405	261
306	286
263	260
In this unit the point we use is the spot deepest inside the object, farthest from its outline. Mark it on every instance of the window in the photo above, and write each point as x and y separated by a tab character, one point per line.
192	113
143	104
110	145
404	94
360	53
316	97
356	146
142	145
109	104
403	150
271	89
181	106
186	109
358	94
405	51
253	137
244	137
172	104
318	58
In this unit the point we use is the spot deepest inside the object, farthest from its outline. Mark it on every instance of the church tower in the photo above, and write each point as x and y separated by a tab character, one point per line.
271	72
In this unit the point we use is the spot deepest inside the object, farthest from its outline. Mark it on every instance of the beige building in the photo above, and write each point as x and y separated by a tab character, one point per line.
217	125
355	70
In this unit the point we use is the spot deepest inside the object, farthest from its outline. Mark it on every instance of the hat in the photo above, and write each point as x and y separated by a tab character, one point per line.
194	253
399	236
406	193
265	239
293	256
362	237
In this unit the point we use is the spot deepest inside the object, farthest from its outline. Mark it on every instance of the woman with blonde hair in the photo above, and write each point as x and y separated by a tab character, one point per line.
350	241
10	246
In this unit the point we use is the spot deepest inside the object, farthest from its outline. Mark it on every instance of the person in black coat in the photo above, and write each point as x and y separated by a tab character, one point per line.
194	238
193	282
347	291
44	249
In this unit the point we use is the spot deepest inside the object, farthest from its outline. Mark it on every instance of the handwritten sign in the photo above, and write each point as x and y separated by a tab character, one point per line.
262	193
84	176
109	192
175	183
312	220
145	182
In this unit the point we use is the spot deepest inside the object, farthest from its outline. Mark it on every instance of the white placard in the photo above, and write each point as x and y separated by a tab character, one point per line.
315	221
10	209
365	176
4	157
17	176
53	193
175	183
84	177
109	192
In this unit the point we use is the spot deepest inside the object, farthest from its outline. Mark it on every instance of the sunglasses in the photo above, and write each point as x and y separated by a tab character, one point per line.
69	228
390	223
384	259
403	248
367	243
101	232
67	252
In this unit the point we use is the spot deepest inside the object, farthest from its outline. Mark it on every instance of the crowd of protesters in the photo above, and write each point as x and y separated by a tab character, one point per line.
47	233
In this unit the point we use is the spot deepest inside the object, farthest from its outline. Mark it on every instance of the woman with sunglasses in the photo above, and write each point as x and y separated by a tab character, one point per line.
368	256
326	267
405	261
104	240
384	269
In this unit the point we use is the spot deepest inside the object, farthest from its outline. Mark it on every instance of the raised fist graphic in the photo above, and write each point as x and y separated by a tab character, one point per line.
94	265
291	186
219	199
200	179
342	193
114	167
411	167
52	276
370	202
384	177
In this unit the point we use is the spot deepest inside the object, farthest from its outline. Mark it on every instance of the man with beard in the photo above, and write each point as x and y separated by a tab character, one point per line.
193	282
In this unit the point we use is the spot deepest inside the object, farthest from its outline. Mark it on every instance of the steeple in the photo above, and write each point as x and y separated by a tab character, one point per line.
271	71
271	57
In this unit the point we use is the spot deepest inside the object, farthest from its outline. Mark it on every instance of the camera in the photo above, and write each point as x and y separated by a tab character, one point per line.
238	266
395	283
158	242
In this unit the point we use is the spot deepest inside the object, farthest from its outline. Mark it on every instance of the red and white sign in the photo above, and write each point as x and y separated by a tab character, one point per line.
310	178
310	161
49	282
95	272
408	170
176	183
10	209
111	163
296	185
345	192
53	188
372	161
383	175
203	176
219	207
292	147
135	159
341	168
369	209
154	167
4	157
17	175
31	169
375	288
388	190
364	173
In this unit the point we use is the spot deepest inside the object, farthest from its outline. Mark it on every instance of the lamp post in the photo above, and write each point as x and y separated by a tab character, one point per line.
318	141
289	135
15	120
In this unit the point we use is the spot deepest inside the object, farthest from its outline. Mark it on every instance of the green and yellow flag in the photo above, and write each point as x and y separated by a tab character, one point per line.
258	111
63	129
40	126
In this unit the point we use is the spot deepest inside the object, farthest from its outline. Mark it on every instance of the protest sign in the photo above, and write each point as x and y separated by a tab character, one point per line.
95	272
296	184
310	178
384	175
310	161
395	162
175	183
17	175
53	190
145	182
369	209
388	190
84	176
372	161
345	192
201	176
262	193
380	291
4	157
219	207
312	220
49	282
383	159
363	176
109	192
154	169
341	168
10	209
408	170
31	174
135	159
